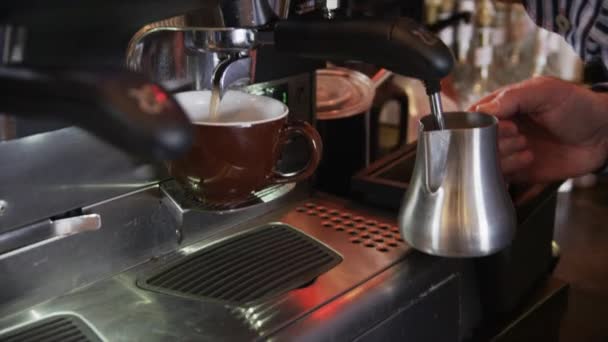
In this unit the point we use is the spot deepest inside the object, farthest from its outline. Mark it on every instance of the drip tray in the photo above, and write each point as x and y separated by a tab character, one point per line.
59	328
249	267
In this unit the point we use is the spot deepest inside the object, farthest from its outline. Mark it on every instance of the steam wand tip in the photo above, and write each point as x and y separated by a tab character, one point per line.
433	90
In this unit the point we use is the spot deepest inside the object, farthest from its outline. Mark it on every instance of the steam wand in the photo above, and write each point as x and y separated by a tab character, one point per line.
433	90
400	45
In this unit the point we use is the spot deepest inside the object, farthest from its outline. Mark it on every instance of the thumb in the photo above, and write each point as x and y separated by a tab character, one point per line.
525	97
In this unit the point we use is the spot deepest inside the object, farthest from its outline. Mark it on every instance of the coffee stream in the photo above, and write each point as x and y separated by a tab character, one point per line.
214	104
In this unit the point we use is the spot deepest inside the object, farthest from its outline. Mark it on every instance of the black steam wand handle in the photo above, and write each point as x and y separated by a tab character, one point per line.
400	45
121	107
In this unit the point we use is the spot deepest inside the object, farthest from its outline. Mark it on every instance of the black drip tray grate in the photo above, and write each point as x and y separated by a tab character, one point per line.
252	266
64	328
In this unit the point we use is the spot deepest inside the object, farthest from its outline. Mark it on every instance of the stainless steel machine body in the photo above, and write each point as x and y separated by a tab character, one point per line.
81	221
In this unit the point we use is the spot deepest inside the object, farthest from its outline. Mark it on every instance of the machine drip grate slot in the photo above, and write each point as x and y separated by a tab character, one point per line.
252	266
64	328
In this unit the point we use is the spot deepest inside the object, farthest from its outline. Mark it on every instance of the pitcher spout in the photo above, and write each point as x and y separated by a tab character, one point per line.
435	146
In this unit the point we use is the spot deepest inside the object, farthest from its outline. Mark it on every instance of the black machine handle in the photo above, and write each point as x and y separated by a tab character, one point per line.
120	107
400	45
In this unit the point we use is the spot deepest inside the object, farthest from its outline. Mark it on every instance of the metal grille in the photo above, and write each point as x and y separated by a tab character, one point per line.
52	329
253	266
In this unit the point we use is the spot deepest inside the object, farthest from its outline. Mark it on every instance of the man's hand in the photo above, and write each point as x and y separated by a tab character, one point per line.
549	129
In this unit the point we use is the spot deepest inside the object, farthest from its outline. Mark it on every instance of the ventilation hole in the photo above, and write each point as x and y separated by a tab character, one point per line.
369	244
358	219
384	226
340	228
346	216
374	230
349	223
388	235
253	266
355	240
392	243
334	212
327	224
311	213
300	209
324	216
361	227
378	239
365	235
321	209
310	205
336	219
395	229
352	232
371	223
382	248
399	239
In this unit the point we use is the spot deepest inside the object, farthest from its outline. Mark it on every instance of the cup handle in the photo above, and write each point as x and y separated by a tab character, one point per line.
314	144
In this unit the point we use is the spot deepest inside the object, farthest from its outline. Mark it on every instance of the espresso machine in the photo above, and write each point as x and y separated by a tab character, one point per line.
97	243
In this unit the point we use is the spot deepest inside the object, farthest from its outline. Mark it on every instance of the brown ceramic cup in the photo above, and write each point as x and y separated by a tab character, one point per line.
236	153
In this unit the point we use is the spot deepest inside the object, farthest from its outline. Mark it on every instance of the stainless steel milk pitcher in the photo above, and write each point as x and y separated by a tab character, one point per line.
457	204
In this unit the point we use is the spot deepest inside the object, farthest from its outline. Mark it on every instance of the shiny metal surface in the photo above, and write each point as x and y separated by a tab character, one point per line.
120	311
47	230
437	109
12	44
181	52
135	228
228	40
457	203
231	71
76	224
249	13
48	174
